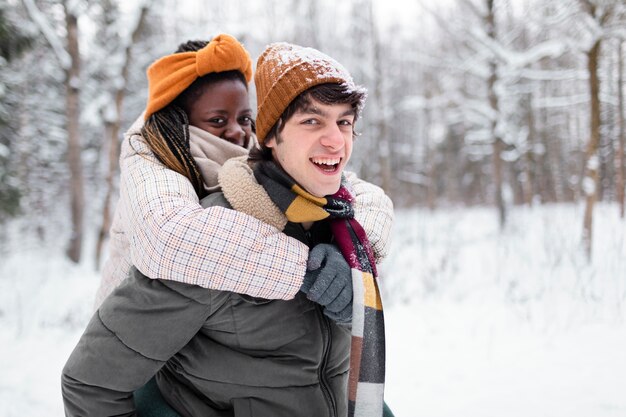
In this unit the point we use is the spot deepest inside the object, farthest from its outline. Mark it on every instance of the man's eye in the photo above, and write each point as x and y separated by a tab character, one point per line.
309	122
345	123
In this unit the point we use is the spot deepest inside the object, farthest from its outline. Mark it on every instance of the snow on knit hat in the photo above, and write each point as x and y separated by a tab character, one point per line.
284	71
171	75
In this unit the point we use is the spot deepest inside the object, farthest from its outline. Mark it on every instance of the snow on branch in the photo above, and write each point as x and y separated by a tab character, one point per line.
554	102
569	101
415	178
478	9
515	59
131	36
554	75
594	28
136	22
617	31
478	111
46	29
420	102
75	7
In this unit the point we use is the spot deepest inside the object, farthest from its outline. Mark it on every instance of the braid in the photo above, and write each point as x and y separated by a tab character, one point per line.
167	134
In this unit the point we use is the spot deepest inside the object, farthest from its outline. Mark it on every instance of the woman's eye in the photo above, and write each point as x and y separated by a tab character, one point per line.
217	120
245	120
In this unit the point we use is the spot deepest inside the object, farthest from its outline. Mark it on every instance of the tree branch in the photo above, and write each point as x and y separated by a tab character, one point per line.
47	31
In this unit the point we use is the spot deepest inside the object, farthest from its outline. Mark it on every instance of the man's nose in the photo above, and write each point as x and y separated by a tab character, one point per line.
333	137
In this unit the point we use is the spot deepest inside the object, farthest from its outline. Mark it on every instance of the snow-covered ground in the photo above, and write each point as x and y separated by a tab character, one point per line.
479	323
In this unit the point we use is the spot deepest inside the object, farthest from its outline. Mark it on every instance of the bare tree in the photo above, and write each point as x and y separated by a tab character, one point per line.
599	17
497	144
13	43
69	60
590	182
381	131
74	160
619	160
113	121
369	70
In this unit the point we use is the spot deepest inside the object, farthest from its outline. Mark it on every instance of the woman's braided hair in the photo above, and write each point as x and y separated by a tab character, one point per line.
167	131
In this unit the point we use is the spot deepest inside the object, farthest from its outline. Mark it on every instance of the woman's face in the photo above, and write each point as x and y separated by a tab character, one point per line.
223	109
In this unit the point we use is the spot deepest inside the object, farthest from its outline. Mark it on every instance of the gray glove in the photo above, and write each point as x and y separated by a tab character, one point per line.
328	282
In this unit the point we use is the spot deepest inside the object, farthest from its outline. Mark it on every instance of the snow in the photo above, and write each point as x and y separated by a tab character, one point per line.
513	324
473	359
593	163
518	60
48	32
479	322
589	186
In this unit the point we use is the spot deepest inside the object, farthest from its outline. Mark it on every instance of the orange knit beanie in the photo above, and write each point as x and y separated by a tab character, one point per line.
171	75
284	71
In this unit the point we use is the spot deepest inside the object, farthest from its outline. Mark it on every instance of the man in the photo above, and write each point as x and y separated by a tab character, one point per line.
217	353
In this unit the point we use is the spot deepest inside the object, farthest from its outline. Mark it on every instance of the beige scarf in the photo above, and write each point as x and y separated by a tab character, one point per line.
210	153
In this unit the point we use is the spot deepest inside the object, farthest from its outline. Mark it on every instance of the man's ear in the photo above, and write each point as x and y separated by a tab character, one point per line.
270	141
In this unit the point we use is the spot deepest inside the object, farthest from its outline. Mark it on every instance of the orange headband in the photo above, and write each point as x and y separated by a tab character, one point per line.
171	75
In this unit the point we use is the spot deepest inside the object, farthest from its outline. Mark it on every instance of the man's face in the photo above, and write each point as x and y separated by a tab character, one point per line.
315	146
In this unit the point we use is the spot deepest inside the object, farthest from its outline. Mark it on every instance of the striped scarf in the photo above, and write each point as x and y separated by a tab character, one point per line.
367	353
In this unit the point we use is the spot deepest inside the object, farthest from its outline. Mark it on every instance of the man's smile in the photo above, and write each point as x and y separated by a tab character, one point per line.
327	165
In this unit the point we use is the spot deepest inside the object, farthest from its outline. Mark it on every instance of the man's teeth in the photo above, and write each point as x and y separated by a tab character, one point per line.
326	161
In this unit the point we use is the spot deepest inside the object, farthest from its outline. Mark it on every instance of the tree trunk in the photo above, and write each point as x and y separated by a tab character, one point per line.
381	128
619	160
429	161
498	145
72	87
529	156
111	135
590	181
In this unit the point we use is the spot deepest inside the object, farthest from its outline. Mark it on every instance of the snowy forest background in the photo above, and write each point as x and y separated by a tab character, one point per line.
497	127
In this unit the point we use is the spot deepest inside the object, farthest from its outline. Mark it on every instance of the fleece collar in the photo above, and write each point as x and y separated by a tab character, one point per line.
245	194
